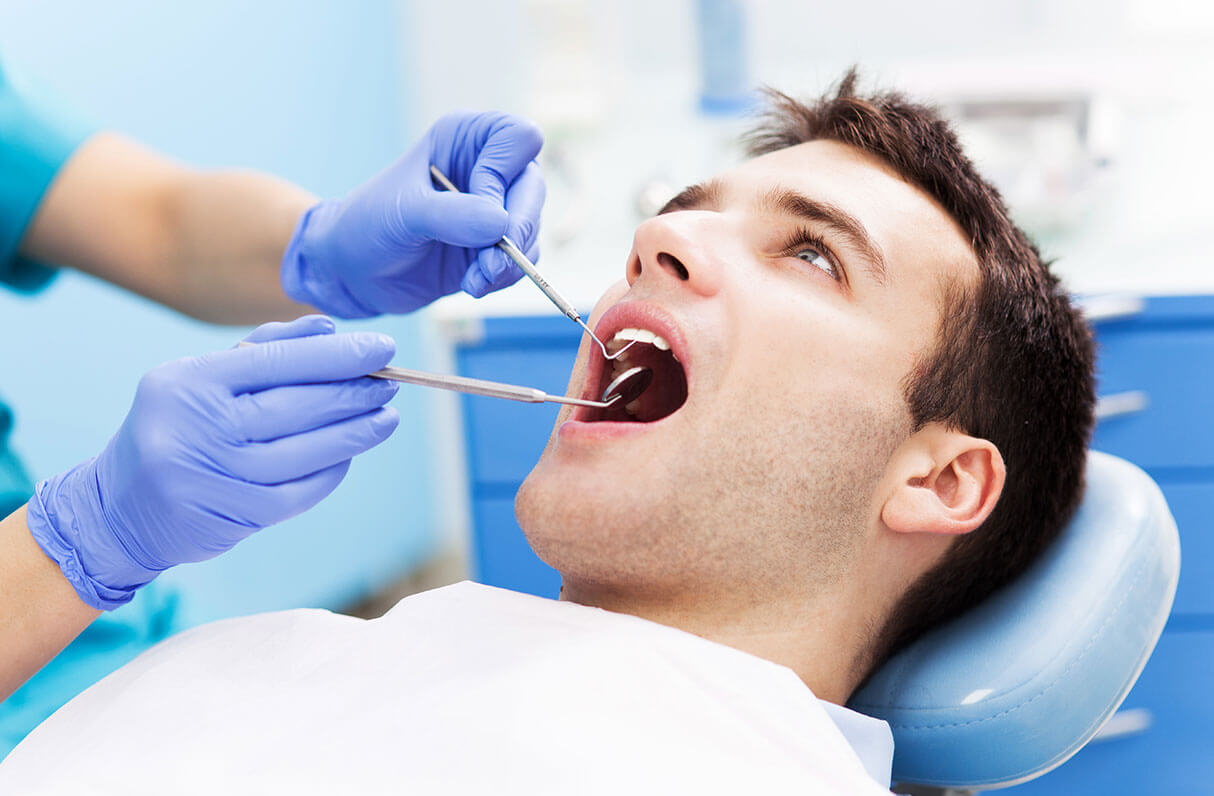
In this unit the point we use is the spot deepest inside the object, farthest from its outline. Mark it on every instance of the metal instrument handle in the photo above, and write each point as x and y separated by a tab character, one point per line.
438	175
492	389
520	259
512	251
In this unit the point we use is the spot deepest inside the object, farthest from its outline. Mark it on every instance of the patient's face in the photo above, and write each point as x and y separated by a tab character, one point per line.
796	292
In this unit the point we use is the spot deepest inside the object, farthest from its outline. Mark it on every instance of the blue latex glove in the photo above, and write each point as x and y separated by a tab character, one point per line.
399	242
214	448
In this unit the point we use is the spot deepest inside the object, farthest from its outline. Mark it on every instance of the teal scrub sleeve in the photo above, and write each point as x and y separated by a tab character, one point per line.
35	140
15	485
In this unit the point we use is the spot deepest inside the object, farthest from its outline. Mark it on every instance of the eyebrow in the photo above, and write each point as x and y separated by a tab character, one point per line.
701	196
707	196
841	222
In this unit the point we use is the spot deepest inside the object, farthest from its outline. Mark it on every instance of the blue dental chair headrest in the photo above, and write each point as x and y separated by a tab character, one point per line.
1012	689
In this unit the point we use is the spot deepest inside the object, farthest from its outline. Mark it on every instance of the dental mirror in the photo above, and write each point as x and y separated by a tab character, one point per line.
628	386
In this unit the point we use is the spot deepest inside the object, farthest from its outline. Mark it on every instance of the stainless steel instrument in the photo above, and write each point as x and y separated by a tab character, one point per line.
514	253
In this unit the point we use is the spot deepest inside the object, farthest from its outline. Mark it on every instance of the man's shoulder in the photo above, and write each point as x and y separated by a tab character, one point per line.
227	644
257	628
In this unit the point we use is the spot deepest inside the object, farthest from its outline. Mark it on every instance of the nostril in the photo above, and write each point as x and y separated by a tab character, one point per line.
634	268
672	262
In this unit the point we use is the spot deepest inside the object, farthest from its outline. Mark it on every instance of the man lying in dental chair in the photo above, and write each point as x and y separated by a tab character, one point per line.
870	410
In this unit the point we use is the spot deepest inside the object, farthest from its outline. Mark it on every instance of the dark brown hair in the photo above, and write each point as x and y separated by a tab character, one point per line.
1012	362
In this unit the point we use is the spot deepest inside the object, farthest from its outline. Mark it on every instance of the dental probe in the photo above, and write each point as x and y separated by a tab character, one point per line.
520	259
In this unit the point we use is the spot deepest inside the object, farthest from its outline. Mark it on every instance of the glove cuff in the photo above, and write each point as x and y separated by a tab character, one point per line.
305	277
61	517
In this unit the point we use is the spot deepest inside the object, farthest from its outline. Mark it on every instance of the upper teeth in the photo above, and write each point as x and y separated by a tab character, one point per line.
619	365
623	336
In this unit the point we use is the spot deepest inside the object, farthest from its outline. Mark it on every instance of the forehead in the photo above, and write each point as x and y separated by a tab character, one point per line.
916	235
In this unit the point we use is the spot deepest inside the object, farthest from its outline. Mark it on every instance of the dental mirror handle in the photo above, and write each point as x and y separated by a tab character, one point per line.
520	259
491	389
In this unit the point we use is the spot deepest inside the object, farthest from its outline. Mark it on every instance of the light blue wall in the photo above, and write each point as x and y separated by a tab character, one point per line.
307	90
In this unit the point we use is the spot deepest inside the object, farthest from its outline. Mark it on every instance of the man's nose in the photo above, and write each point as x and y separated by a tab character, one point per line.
677	249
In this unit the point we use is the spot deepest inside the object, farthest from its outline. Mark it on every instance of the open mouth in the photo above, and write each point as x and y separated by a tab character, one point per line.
666	393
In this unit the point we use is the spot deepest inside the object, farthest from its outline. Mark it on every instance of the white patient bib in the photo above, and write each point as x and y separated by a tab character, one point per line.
465	689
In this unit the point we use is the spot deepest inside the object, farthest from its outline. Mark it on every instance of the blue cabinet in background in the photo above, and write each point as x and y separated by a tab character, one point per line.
1156	381
505	438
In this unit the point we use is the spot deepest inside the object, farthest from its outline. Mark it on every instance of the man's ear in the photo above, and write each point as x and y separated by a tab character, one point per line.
943	482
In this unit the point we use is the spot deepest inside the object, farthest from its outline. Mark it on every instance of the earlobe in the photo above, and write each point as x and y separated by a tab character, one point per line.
945	483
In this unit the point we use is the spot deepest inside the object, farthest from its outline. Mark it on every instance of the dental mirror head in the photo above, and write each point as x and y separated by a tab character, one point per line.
628	386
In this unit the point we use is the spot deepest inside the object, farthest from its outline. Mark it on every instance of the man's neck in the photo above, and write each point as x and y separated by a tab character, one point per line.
816	638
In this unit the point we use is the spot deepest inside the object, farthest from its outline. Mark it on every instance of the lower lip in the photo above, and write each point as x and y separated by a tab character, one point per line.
602	431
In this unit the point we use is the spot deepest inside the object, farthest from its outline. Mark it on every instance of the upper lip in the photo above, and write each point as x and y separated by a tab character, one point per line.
633	314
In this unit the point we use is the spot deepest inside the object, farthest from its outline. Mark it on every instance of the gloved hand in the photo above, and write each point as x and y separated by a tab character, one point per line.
214	448
399	242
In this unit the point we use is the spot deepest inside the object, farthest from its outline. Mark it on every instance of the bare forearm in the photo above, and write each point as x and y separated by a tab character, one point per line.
39	610
208	244
231	229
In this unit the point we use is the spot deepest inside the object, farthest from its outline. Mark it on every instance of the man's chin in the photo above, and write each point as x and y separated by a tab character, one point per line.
577	476
573	516
538	506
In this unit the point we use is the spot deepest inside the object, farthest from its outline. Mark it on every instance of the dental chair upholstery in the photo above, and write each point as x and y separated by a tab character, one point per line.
1015	687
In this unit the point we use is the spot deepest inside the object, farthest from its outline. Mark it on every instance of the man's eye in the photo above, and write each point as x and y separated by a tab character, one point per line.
818	260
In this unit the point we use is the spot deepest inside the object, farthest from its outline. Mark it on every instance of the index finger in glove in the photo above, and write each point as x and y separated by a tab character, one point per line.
476	285
524	202
306	326
459	219
262	505
294	456
281	411
492	269
513	142
301	360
